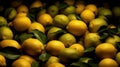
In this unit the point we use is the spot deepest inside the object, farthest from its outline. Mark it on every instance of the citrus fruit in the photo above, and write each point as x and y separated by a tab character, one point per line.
69	2
72	17
21	14
68	39
21	63
80	48
79	8
56	65
54	47
45	19
91	39
51	34
69	53
2	61
117	57
96	23
92	7
6	33
3	21
113	40
108	62
11	43
28	58
52	59
16	3
53	10
69	10
32	46
21	23
104	11
22	9
36	4
60	20
36	25
76	27
105	50
116	11
87	15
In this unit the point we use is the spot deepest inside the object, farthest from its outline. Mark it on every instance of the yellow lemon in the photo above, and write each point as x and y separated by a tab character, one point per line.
22	9
21	23
77	27
36	25
79	8
36	4
56	65
2	61
54	47
11	43
45	19
32	46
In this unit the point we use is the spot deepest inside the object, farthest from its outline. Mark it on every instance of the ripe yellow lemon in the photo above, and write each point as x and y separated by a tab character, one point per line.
79	8
21	23
45	19
22	9
28	58
87	15
105	50
54	47
36	25
77	27
92	7
32	46
57	64
21	63
36	4
78	47
69	2
108	62
2	61
3	21
21	14
11	43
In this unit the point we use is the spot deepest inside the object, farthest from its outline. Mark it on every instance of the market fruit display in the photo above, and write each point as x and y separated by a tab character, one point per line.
59	33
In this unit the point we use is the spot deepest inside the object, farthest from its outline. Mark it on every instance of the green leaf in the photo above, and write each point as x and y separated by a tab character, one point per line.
63	5
40	35
79	64
104	36
44	57
24	36
59	32
31	16
10	52
35	64
90	49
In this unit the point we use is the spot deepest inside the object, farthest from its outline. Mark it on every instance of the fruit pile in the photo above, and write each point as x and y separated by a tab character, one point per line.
59	33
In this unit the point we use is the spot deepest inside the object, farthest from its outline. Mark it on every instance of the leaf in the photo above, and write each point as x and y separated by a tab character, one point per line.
35	64
40	36
10	52
79	64
90	49
63	5
44	57
59	32
104	36
24	36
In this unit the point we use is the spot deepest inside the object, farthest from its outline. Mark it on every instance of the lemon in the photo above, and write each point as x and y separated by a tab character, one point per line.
116	11
51	34
69	10
105	50
32	46
95	24
77	27
91	39
3	21
79	47
22	9
21	63
36	4
45	19
11	43
16	3
104	11
21	14
6	33
69	53
108	62
56	65
28	58
52	59
117	57
69	2
72	17
60	20
113	39
92	7
68	39
21	23
54	47
79	8
2	61
36	25
87	15
53	10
